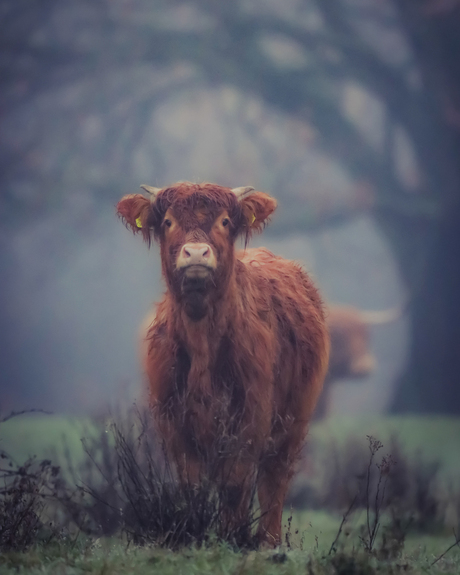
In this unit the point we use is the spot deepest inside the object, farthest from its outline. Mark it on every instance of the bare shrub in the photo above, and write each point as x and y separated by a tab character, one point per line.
414	493
406	488
24	491
127	484
91	498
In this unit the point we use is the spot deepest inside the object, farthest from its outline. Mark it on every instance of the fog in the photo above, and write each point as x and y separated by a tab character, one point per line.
73	321
103	97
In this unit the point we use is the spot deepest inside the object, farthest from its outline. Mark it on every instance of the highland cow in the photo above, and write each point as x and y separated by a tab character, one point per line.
351	354
238	348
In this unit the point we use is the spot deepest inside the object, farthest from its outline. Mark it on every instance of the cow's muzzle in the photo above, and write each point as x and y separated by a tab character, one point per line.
196	278
197	263
192	255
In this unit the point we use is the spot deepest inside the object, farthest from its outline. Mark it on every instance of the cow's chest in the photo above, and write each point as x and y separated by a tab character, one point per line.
222	371
207	402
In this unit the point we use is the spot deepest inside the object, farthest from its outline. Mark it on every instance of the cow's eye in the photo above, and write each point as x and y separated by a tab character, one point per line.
225	222
168	223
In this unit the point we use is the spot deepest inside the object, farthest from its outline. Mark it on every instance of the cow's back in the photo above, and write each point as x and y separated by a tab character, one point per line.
291	303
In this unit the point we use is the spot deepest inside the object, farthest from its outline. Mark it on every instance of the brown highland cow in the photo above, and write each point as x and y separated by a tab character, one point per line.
351	354
238	348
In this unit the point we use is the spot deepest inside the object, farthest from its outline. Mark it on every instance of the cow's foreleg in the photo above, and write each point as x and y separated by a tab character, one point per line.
272	492
276	474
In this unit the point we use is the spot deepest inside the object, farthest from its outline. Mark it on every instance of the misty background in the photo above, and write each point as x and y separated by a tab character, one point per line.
347	112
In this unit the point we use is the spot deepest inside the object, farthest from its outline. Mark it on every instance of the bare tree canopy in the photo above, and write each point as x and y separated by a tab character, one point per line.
373	85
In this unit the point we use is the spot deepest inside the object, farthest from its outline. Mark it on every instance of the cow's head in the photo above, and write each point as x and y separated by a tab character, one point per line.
196	225
351	355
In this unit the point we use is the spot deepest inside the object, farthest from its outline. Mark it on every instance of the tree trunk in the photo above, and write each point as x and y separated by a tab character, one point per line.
431	382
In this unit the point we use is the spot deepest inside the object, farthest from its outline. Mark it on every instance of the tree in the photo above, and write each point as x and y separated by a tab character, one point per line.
432	374
301	57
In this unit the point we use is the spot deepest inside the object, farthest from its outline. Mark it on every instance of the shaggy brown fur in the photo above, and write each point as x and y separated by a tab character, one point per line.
238	348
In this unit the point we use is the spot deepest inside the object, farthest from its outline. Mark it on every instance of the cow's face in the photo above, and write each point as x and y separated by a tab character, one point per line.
196	226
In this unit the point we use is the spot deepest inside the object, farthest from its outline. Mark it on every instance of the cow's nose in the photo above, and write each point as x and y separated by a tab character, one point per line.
195	254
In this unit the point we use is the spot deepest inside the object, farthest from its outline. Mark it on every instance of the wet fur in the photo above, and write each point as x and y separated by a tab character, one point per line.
252	368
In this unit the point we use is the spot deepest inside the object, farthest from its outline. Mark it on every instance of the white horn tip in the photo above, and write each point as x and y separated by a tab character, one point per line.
240	192
150	189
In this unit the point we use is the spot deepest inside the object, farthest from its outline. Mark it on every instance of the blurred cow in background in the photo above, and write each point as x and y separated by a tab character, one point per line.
351	355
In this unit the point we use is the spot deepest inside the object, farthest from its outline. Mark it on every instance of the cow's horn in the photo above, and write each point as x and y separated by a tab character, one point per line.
381	317
151	190
240	192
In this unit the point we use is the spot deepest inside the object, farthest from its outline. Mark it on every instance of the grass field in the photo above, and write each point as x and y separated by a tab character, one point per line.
109	556
431	437
310	532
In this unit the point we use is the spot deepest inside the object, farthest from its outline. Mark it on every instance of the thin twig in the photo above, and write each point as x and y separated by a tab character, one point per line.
16	413
344	520
457	541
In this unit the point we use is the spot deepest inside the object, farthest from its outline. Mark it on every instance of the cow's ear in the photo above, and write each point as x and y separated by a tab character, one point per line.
257	208
135	211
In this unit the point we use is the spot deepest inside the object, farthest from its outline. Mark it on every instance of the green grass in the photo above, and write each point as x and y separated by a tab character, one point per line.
110	556
433	438
312	532
38	434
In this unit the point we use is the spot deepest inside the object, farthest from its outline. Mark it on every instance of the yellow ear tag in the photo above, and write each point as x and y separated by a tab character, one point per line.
138	222
253	219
